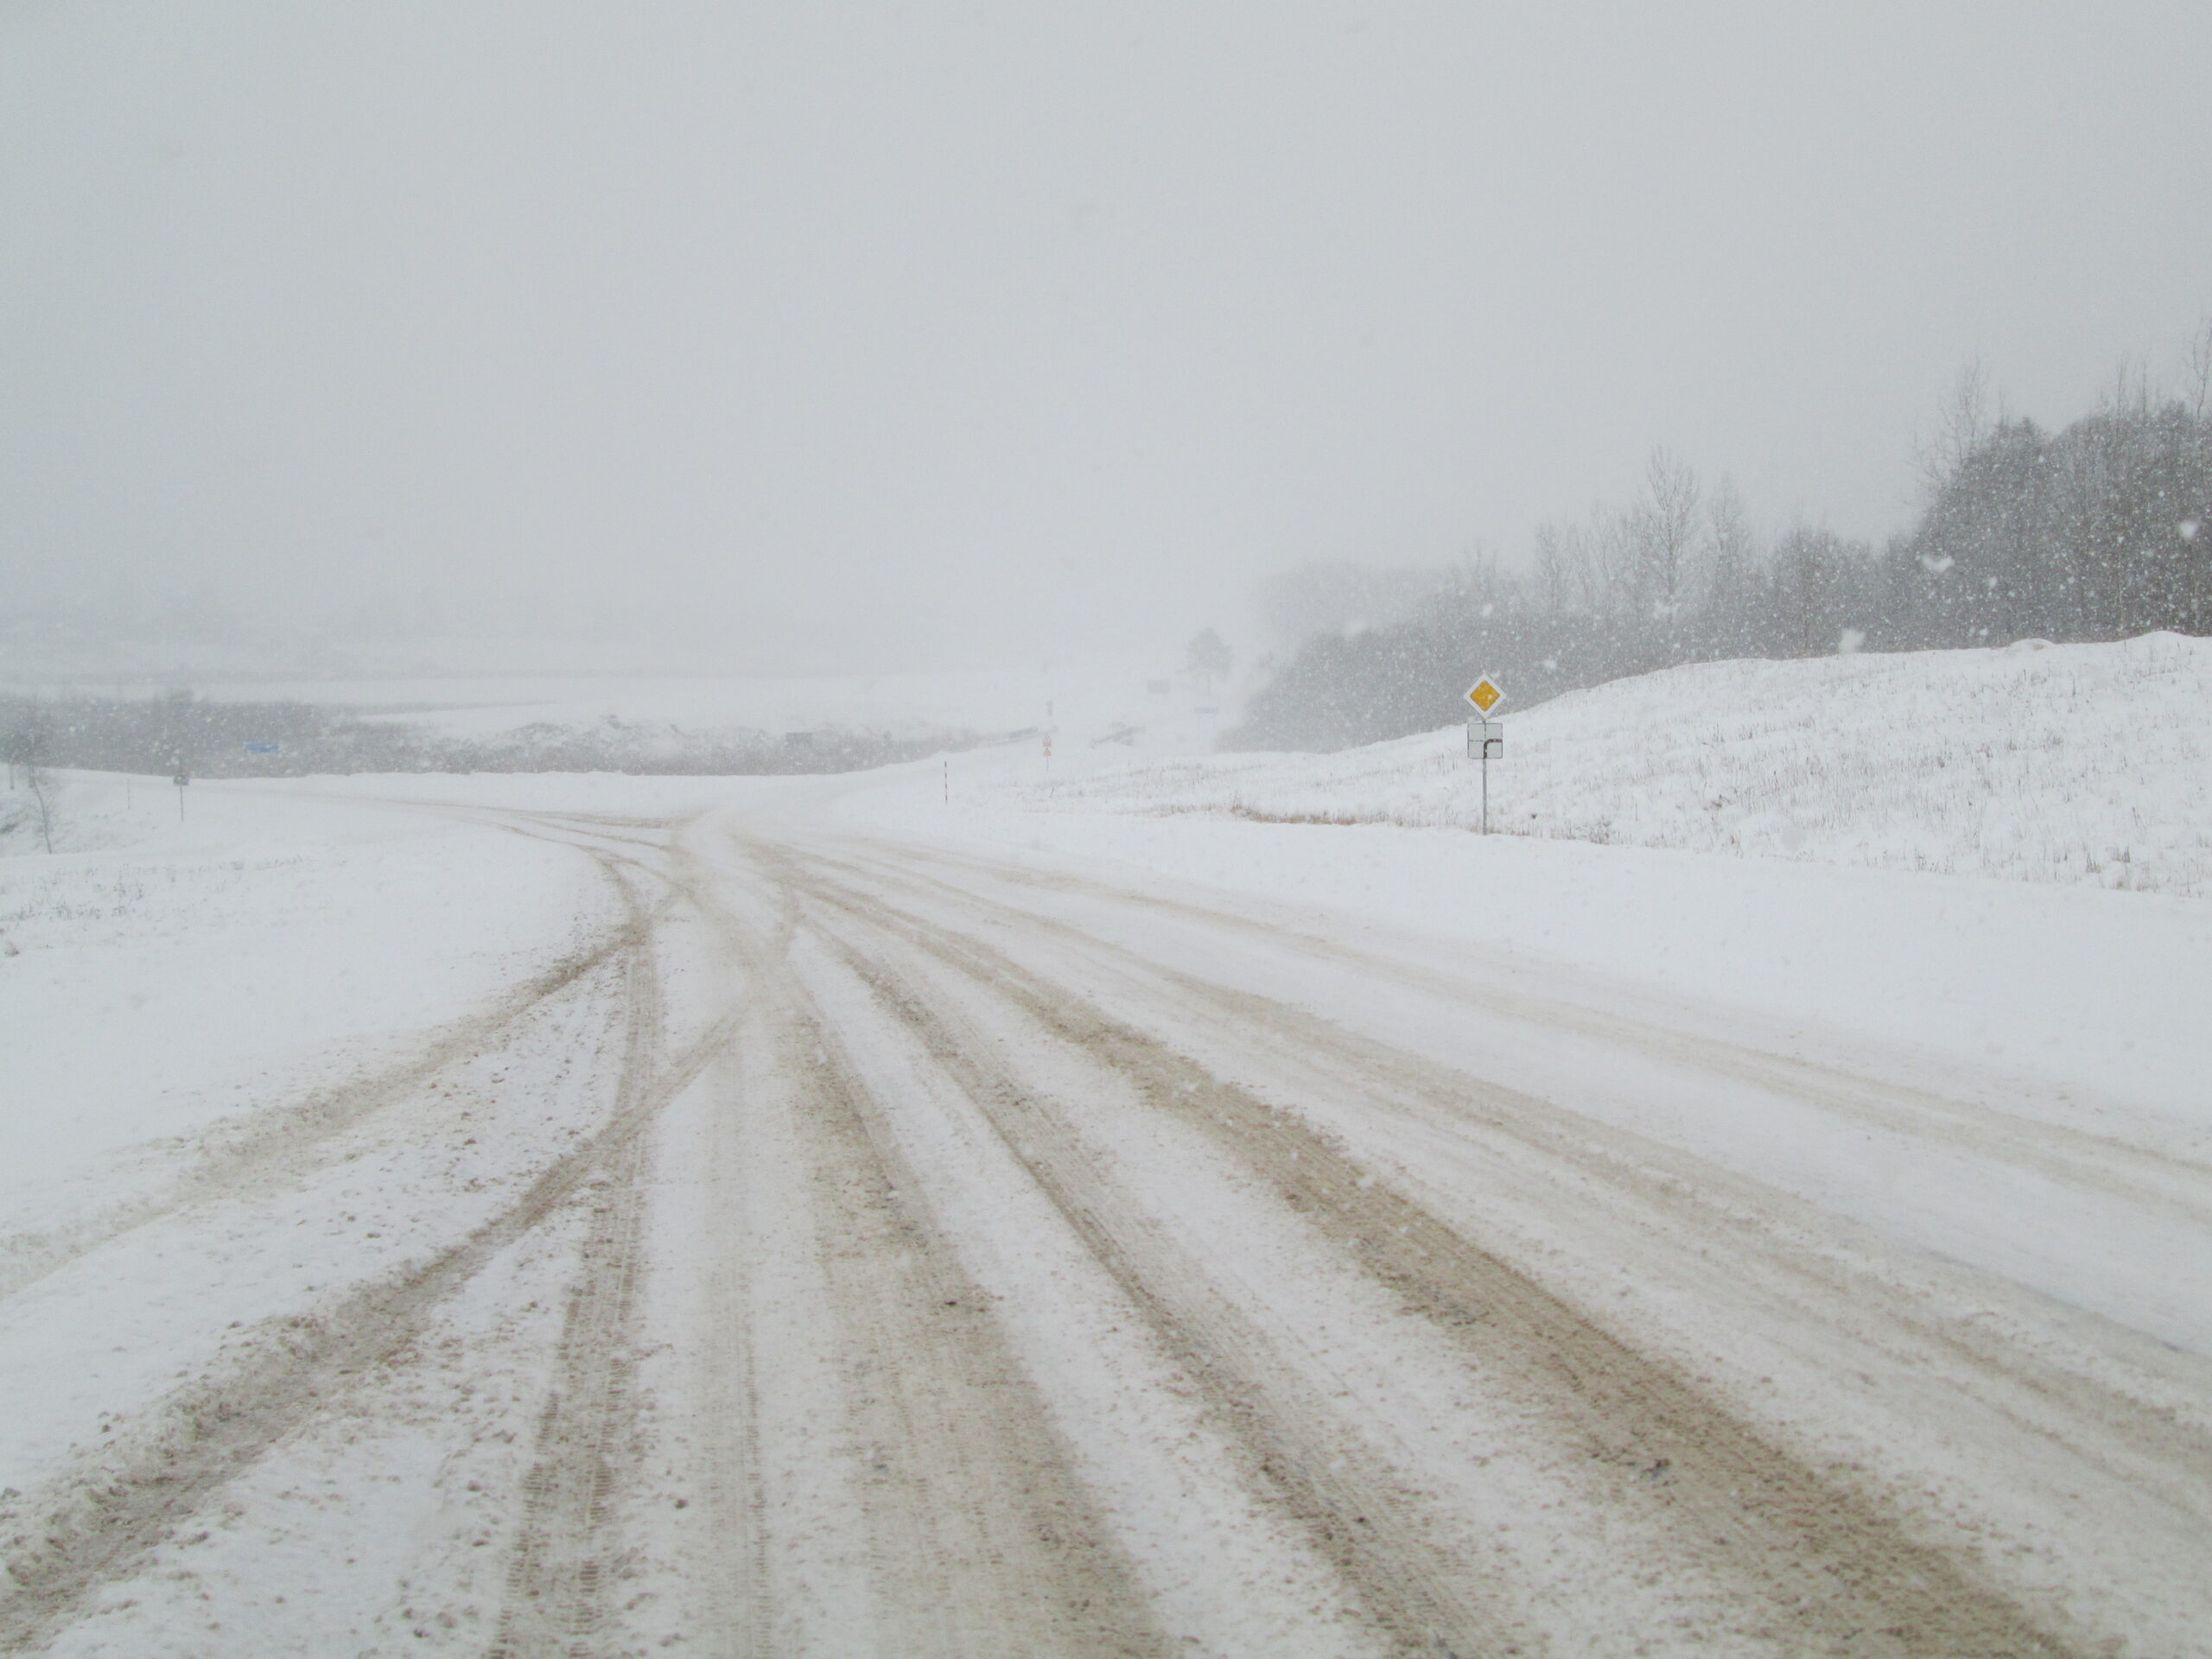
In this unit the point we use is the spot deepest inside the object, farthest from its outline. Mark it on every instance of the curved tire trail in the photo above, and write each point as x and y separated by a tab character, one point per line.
564	1562
95	1523
1821	1556
279	1143
2117	1417
2168	1180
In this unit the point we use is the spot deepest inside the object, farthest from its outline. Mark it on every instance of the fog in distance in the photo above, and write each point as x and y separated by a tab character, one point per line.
839	337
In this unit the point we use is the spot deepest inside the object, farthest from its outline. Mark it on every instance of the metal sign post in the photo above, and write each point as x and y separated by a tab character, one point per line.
1485	741
1486	736
183	778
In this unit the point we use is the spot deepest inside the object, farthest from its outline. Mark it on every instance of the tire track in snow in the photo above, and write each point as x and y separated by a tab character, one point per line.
94	1524
1829	1563
280	1143
980	1538
565	1559
2170	1182
2130	1425
1359	1516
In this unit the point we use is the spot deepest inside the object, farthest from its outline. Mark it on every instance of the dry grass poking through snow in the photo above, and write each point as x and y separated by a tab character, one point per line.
2088	764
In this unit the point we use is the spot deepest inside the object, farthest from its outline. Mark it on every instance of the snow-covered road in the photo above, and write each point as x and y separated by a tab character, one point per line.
859	1244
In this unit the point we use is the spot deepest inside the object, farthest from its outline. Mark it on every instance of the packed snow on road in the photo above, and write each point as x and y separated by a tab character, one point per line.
1759	1203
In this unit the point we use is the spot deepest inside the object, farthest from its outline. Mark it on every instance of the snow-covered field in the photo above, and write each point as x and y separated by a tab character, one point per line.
1085	699
639	724
2043	763
956	1211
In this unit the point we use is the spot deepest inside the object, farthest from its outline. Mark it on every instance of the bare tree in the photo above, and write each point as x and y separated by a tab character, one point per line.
1665	528
1207	657
1611	555
1554	576
2133	390
1962	422
1572	562
2197	370
41	782
29	748
1731	556
1805	561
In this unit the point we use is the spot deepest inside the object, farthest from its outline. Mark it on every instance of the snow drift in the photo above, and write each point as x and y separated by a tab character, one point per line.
2086	764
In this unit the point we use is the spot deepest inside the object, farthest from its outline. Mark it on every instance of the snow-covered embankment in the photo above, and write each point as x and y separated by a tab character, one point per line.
2065	763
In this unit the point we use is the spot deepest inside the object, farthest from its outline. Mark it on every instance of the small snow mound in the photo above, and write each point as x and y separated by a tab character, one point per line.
2019	645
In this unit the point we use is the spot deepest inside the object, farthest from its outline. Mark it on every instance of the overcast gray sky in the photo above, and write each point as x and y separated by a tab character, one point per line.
902	332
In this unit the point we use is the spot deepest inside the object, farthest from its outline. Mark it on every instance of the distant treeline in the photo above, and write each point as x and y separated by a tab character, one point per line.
292	740
2101	532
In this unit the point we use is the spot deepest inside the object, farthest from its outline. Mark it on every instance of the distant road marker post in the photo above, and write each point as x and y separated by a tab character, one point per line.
1486	736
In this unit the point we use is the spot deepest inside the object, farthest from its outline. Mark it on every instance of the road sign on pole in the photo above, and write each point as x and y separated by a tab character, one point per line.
1485	737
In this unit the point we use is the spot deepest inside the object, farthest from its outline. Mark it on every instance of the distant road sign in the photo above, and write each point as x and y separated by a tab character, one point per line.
1485	739
1486	694
265	748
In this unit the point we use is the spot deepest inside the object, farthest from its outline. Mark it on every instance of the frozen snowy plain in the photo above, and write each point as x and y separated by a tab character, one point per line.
605	1215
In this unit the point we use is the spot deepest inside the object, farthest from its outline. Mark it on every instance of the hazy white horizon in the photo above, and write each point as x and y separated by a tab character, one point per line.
848	335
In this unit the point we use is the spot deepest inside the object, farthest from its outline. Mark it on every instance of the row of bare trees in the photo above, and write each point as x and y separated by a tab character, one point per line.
2101	531
1677	551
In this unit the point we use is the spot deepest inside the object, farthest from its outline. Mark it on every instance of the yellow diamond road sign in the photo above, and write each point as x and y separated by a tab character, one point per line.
1486	696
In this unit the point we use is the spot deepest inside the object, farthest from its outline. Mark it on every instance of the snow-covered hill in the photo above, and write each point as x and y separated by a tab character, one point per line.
2088	763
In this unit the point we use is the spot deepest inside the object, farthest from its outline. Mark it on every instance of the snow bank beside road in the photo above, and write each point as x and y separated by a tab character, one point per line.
2075	764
